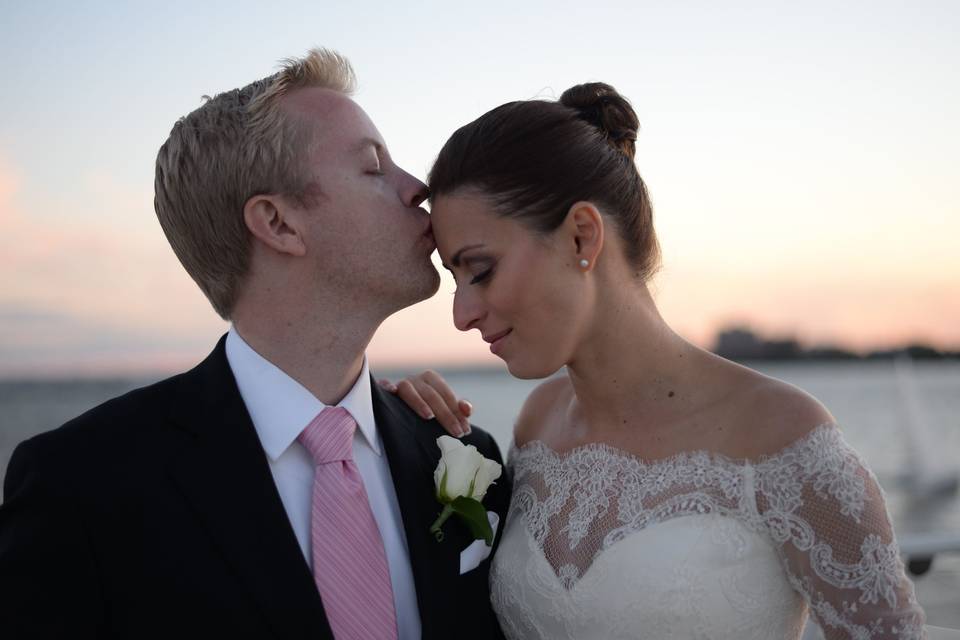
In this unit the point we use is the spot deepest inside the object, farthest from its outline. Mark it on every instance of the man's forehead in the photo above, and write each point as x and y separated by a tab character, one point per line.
333	114
316	100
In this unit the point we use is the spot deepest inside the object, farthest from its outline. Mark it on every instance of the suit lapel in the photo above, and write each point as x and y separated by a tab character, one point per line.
226	478
412	453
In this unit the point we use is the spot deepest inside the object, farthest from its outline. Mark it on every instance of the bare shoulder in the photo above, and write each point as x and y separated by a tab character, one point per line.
543	406
773	414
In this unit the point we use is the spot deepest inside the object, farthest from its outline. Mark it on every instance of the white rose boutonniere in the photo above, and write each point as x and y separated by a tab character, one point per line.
462	478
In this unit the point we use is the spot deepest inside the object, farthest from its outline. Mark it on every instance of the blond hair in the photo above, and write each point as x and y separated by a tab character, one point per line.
238	144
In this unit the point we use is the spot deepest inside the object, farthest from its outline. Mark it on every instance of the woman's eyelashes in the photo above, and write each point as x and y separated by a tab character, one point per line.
480	278
483	276
479	267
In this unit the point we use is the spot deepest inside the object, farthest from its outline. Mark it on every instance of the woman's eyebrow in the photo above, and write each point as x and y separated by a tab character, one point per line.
455	260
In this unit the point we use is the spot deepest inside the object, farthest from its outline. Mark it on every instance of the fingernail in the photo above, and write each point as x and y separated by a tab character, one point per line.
428	415
469	405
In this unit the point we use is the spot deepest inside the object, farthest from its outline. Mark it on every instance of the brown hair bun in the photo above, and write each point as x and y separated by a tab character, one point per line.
599	104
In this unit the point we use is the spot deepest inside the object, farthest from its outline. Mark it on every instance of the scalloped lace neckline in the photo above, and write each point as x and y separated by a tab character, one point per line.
536	446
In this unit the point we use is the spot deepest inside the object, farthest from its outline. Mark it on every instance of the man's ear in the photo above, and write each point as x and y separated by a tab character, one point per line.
584	226
275	223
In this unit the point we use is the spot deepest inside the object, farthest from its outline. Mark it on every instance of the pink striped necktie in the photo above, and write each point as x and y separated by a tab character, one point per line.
349	561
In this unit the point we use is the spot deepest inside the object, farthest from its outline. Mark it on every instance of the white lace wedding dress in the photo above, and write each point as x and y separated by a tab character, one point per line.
600	544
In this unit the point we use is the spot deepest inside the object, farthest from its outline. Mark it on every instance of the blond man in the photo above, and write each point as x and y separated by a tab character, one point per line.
272	491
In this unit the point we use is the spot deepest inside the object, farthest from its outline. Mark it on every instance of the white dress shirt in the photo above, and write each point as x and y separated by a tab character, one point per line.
281	408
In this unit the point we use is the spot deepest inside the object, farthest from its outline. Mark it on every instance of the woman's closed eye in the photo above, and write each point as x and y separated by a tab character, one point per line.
483	276
480	278
479	268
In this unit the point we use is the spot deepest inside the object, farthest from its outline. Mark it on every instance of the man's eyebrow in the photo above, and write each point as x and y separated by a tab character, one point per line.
455	260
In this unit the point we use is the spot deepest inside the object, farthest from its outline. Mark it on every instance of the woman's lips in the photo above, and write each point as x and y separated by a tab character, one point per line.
496	341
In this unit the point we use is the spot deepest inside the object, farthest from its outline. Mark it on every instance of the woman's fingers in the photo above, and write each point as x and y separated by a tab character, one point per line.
409	394
453	404
447	418
387	385
431	397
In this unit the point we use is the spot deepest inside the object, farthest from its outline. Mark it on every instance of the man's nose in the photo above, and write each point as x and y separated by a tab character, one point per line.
412	191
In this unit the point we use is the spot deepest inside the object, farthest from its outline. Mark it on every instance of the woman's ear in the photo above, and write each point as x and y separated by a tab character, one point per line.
584	225
275	223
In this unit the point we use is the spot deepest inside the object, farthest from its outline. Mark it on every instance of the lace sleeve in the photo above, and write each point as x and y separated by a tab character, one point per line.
826	512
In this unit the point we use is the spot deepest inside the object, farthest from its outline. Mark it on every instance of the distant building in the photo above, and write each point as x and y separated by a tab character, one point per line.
738	343
788	349
830	352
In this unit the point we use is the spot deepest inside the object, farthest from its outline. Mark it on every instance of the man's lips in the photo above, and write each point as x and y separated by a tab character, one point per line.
428	233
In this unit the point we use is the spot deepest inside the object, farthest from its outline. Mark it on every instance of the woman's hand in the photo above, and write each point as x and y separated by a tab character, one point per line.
431	397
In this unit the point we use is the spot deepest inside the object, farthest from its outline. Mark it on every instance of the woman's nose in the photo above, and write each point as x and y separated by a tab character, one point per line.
467	310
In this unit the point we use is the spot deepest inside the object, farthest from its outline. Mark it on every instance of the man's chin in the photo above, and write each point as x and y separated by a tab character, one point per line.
426	281
435	282
429	286
414	289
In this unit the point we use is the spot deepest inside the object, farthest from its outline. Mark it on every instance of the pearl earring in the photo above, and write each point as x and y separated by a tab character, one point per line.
584	263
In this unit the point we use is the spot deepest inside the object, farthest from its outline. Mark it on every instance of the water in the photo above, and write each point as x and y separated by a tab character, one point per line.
865	397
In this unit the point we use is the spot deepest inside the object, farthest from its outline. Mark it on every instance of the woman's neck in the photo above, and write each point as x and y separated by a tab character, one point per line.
633	369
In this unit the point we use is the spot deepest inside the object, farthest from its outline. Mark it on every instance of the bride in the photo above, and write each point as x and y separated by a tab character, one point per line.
660	490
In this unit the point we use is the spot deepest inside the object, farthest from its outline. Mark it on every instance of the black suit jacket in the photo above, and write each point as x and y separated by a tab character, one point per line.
156	515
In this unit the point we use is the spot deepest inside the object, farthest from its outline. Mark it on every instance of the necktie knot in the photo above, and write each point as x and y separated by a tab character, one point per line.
329	436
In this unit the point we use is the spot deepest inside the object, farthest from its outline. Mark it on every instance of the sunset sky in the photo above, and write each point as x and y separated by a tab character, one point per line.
802	157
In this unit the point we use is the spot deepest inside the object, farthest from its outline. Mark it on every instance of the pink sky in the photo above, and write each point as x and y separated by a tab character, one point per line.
105	295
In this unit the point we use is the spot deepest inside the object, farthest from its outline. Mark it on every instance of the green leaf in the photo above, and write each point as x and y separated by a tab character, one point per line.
475	517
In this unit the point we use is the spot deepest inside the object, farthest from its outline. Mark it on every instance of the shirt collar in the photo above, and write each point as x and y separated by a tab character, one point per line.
281	407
